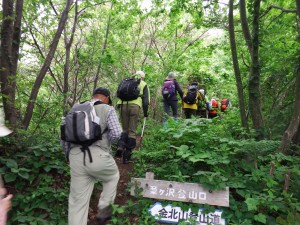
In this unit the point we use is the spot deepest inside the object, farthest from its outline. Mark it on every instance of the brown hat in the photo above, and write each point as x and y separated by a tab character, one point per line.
102	91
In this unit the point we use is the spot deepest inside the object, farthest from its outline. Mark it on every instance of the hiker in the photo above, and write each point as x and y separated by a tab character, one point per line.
129	113
202	104
169	93
84	173
190	100
5	201
225	103
213	108
5	205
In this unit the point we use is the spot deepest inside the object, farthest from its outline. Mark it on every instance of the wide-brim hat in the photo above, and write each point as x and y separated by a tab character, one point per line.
103	91
4	131
171	76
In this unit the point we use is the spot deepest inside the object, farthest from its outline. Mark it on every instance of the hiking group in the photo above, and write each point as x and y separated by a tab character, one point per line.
194	101
90	128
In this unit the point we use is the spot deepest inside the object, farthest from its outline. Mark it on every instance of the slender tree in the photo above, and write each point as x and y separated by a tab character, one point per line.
46	65
292	133
236	67
252	41
68	45
10	44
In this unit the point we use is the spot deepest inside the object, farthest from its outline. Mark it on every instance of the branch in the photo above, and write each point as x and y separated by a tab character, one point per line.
191	43
277	7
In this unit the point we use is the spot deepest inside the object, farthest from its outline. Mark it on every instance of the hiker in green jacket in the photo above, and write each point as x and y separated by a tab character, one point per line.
129	113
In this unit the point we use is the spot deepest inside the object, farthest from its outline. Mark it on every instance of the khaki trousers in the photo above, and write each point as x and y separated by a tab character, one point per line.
83	178
129	118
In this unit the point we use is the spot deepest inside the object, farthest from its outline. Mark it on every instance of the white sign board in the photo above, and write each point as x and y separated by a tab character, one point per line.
169	214
183	192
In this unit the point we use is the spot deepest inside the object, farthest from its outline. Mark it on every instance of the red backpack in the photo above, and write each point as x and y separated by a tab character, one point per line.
224	104
214	104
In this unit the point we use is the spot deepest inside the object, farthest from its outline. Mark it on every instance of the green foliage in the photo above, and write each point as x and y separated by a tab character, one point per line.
38	178
209	153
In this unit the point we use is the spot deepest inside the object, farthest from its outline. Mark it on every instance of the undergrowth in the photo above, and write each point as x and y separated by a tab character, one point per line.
264	184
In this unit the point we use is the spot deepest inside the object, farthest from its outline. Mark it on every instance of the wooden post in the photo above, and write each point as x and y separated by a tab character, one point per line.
272	168
287	181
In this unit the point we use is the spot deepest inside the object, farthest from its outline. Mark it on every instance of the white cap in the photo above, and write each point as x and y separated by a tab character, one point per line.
141	73
4	131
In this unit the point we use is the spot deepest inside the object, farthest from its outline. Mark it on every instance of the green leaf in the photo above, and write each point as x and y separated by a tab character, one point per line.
11	163
10	177
24	174
260	218
252	203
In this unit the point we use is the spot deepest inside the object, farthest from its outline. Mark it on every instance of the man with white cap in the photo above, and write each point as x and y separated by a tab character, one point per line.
129	111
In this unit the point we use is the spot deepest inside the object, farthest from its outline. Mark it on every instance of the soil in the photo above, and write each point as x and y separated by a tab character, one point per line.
123	192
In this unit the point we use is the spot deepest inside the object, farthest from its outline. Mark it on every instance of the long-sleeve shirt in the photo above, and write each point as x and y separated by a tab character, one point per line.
113	125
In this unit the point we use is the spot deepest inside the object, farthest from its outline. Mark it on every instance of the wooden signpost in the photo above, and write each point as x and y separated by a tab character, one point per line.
176	191
183	192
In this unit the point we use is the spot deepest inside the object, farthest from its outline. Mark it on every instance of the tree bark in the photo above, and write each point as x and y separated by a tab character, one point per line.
10	43
254	78
46	65
236	67
252	41
245	26
292	133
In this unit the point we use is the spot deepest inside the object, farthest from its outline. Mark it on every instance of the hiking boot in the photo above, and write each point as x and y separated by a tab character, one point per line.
126	156
104	215
119	152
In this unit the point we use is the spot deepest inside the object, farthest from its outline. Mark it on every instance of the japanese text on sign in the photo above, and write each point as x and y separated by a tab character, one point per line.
171	214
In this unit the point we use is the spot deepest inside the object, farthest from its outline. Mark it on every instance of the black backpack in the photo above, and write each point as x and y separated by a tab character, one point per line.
191	96
129	89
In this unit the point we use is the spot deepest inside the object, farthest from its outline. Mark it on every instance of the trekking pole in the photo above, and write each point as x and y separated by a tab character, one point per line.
142	135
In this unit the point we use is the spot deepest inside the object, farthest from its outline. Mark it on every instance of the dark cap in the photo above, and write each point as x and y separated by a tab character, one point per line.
102	91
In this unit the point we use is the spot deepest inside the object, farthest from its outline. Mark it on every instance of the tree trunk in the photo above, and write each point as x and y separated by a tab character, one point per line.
236	67
292	133
68	45
254	78
10	43
254	75
46	65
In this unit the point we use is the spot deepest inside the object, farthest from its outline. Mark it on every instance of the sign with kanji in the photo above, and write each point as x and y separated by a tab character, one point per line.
169	214
176	191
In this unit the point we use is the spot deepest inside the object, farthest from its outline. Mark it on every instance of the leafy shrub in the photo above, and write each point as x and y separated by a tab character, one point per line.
263	183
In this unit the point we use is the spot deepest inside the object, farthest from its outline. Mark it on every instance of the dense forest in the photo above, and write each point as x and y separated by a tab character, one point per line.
54	53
